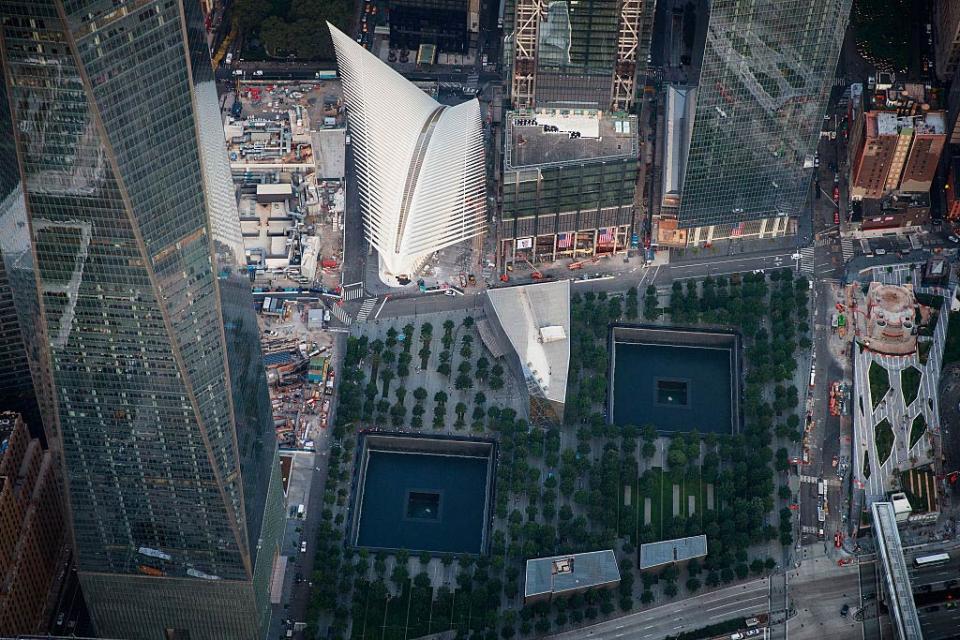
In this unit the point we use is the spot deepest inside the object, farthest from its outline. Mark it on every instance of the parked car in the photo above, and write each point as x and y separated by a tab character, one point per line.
844	610
953	239
258	72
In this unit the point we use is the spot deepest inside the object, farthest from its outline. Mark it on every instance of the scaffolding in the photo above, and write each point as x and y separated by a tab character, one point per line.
628	45
526	39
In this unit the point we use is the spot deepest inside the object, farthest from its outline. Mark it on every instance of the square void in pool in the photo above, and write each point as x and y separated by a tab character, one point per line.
673	387
423	502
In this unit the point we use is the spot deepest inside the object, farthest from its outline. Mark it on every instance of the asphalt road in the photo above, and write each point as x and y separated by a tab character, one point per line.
683	615
662	276
818	596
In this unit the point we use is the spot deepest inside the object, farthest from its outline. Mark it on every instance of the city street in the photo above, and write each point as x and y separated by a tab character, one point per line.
684	615
818	590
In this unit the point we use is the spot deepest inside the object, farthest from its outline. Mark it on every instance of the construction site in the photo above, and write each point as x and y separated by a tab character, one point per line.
570	150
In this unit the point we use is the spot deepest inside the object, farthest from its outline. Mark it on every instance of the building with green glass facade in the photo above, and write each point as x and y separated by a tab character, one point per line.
121	241
569	183
768	67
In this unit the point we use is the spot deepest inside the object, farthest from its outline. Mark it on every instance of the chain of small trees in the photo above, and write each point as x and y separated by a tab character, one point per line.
367	400
293	28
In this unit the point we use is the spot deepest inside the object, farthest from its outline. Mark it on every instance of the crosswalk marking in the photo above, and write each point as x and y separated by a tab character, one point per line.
823	242
353	293
341	315
809	479
365	309
806	260
846	245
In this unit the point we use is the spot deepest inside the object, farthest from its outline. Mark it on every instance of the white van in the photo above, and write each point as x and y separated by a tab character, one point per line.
300	511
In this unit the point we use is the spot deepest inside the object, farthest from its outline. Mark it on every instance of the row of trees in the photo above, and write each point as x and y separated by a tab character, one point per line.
293	28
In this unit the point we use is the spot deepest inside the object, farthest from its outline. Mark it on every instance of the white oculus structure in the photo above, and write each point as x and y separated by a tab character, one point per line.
420	164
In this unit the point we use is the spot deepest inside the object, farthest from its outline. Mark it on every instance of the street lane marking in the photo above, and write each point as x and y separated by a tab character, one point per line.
743	259
730	613
739	600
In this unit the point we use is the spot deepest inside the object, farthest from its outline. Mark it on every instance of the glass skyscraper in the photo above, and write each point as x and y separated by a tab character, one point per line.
120	238
768	67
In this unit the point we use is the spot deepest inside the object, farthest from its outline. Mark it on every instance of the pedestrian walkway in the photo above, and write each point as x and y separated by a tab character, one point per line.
341	315
806	260
823	242
366	309
809	479
846	245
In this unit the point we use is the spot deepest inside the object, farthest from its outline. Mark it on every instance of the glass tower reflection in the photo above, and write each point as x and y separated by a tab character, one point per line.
121	242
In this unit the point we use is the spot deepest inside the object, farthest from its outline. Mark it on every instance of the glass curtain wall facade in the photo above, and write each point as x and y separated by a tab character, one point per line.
568	197
767	70
576	51
120	236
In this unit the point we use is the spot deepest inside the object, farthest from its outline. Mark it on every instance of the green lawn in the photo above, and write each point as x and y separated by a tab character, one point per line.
951	349
659	488
879	383
910	384
917	430
883	434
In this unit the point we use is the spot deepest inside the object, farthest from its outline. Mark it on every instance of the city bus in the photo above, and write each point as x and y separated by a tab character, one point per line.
933	560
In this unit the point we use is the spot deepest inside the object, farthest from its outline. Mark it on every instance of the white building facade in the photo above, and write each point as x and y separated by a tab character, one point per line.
420	164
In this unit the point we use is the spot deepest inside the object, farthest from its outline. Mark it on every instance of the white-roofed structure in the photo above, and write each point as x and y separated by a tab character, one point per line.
534	320
420	164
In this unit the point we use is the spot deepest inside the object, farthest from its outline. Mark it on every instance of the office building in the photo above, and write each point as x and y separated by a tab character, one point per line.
420	164
16	384
447	24
32	532
763	88
893	164
945	29
120	233
569	185
570	54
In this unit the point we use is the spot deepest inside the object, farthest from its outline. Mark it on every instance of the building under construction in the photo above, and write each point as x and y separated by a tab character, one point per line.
576	54
570	150
569	183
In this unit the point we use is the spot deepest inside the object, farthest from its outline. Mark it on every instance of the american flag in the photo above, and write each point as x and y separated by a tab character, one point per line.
737	230
606	236
564	240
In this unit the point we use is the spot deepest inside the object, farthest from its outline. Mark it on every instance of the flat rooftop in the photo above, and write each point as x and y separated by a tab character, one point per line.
330	146
655	554
601	136
558	574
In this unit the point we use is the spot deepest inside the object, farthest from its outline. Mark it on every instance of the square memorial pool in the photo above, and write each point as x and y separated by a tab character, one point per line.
676	380
422	500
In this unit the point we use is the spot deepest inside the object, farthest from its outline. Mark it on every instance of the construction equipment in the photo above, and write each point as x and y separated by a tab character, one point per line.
536	275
